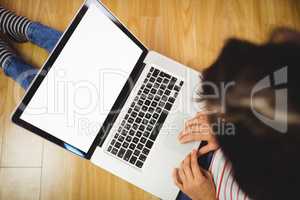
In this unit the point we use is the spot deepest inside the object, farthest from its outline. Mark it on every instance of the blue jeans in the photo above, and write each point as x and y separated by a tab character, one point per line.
42	36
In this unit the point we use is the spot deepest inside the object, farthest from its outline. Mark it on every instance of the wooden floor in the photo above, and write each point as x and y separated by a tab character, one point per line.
190	31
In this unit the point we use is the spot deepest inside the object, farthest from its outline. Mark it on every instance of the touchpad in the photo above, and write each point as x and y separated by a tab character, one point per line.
172	129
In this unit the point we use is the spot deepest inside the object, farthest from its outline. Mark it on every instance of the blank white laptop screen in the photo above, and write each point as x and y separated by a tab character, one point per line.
84	82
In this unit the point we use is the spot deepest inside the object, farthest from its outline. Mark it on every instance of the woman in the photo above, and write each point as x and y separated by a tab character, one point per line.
258	157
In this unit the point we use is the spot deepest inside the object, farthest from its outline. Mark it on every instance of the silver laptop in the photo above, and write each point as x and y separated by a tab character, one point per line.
105	97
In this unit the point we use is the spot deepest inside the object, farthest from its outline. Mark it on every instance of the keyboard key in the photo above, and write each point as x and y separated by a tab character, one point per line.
133	114
155	115
175	94
127	126
177	88
132	146
152	80
109	148
147	102
181	83
146	134
144	108
168	106
121	138
138	134
140	102
159	79
135	126
128	138
142	128
147	116
142	157
156	85
113	142
153	91
156	98
127	155
140	146
132	160
138	120
125	145
137	108
152	121
171	100
149	128
161	104
130	120
146	80
150	96
151	69
131	133
155	73
149	144
167	92
129	110
114	151
143	140
132	104
141	114
121	153
158	109
163	87
123	123
154	104
160	92
162	74
139	164
166	81
116	136
149	85
167	76
164	98
136	152
145	151
145	121
143	97
124	132
151	110
126	116
146	91
135	140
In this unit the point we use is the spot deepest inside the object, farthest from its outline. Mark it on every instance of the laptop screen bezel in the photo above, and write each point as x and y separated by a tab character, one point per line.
120	101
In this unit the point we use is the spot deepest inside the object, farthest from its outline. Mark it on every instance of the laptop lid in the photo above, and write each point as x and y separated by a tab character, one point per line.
76	96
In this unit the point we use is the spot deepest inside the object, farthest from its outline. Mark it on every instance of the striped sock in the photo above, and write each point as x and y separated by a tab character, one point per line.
5	53
13	25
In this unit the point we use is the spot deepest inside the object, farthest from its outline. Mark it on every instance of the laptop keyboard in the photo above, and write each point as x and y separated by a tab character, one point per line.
140	127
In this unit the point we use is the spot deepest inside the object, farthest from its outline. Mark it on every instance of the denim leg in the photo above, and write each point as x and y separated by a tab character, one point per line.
43	36
204	162
19	71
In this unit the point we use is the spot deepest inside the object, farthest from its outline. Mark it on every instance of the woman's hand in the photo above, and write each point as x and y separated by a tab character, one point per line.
199	129
193	181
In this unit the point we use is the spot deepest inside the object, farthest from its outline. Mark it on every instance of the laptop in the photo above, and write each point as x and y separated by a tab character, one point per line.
105	97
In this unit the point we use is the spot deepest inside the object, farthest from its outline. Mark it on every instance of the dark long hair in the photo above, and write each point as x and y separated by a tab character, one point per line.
265	161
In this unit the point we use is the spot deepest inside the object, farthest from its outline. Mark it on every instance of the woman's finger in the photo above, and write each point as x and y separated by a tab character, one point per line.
182	175
195	166
176	179
187	167
208	148
191	137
